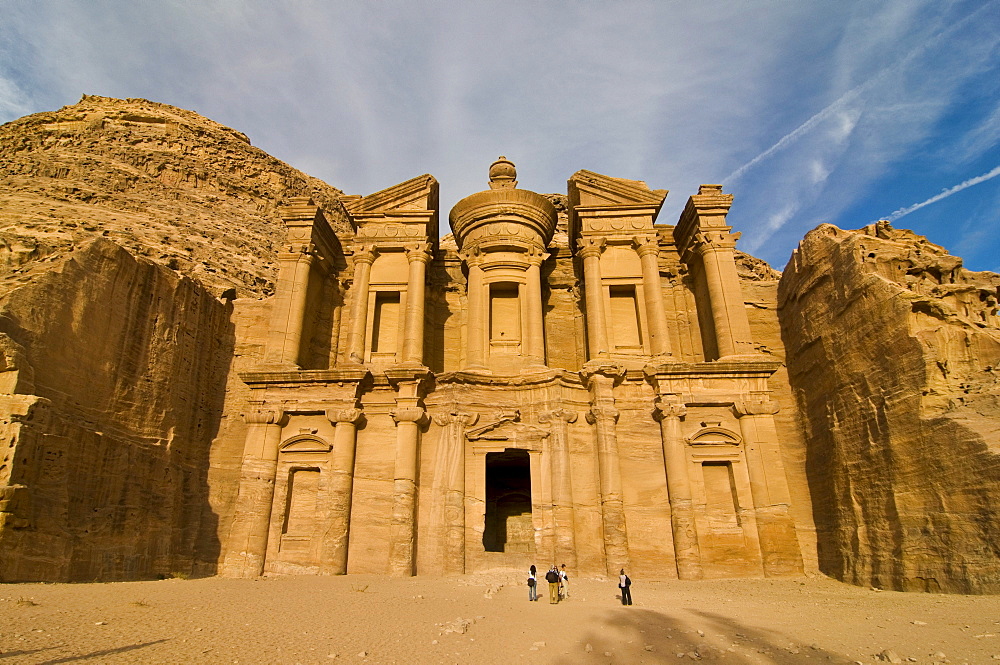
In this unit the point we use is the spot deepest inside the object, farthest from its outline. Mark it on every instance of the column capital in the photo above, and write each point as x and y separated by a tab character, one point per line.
263	416
365	253
668	406
558	415
409	414
418	251
645	245
536	255
590	247
338	416
602	413
473	256
715	240
455	417
755	405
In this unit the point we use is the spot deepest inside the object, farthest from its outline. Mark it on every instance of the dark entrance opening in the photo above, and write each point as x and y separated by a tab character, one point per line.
508	502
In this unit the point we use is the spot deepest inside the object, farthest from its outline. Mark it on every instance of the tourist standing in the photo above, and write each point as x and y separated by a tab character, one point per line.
552	577
564	581
624	583
532	583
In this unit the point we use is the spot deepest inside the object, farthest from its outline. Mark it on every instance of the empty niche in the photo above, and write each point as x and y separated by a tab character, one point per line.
385	327
505	313
721	502
300	516
625	331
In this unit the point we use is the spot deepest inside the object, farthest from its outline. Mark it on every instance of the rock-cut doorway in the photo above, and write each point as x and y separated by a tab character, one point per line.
509	527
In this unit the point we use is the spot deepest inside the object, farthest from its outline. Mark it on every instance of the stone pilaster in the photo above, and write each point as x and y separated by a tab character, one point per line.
403	528
648	249
418	255
364	256
779	544
562	496
669	410
333	559
252	518
454	503
597	327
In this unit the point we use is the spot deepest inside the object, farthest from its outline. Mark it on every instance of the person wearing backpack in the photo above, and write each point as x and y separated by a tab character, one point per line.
552	577
624	583
532	583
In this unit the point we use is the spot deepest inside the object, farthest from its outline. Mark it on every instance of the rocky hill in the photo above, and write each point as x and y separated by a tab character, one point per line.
163	182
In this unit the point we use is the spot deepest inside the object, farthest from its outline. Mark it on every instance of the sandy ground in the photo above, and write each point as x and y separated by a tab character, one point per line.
487	619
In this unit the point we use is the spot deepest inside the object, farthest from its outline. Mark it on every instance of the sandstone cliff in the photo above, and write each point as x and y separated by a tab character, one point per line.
162	182
893	353
113	378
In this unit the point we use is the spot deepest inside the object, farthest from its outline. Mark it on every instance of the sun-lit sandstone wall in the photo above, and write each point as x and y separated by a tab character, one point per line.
113	388
893	352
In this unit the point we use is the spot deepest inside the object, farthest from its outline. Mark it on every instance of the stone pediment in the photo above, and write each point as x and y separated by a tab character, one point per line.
588	189
418	194
306	443
506	431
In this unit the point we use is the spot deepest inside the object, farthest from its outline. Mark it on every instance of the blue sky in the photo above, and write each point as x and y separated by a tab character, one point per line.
809	112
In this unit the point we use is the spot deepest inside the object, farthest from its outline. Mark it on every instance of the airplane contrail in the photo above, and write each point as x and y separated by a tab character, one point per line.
847	96
902	212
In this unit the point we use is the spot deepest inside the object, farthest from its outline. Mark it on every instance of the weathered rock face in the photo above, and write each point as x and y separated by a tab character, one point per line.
113	381
163	182
893	354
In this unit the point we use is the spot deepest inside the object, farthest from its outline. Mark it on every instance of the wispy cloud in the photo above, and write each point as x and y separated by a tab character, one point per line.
902	212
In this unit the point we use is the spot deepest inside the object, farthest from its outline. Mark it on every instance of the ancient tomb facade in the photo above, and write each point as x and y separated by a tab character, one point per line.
560	380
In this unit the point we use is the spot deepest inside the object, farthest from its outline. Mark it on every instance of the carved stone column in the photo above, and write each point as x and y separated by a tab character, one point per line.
597	326
648	250
413	332
454	503
252	517
402	530
769	487
729	315
562	496
603	416
475	350
364	256
333	560
289	306
535	330
669	411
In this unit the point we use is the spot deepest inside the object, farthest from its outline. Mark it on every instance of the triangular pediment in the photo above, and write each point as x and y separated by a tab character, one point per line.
418	194
589	189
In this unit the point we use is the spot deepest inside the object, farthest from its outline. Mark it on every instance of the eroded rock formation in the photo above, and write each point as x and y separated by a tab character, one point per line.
894	356
113	381
162	182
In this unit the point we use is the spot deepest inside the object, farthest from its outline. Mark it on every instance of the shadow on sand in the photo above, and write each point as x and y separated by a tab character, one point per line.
633	636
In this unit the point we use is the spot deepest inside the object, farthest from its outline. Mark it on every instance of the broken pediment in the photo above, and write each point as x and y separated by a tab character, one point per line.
418	194
589	189
715	436
506	431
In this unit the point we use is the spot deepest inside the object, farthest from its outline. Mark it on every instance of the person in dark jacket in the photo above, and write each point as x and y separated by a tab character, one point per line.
552	577
532	583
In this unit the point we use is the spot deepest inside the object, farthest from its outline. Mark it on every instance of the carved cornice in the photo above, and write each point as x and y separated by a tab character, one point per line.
340	376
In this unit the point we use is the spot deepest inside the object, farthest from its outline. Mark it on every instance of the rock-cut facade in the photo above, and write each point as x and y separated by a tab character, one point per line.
559	380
